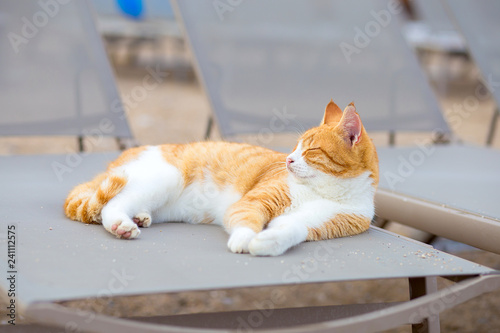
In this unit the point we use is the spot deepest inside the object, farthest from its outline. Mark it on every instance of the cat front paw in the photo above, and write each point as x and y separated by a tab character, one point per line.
239	239
269	243
124	229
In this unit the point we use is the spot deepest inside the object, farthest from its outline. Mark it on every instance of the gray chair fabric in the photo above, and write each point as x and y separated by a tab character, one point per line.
55	78
460	177
450	191
434	30
283	59
434	14
478	23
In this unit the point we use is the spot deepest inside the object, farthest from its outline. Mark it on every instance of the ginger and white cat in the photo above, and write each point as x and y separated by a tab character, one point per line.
266	201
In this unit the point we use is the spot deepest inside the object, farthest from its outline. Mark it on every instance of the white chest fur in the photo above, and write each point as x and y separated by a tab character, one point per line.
353	195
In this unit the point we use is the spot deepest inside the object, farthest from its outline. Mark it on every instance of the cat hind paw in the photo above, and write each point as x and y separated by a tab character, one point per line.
124	229
142	220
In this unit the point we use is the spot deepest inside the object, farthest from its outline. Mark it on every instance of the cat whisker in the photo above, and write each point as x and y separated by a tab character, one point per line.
267	174
280	162
272	168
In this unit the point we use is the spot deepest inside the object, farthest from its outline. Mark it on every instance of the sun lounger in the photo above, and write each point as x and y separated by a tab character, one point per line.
58	259
267	72
53	78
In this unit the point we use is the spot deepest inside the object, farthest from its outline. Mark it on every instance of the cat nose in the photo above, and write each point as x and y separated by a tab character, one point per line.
289	161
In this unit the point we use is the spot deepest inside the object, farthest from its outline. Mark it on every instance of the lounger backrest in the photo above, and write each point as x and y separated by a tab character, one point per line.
284	60
434	14
55	77
479	23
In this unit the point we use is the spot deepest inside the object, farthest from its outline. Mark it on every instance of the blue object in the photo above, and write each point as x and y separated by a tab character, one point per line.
132	8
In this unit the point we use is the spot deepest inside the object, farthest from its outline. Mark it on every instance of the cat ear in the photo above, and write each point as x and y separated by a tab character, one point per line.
332	114
351	125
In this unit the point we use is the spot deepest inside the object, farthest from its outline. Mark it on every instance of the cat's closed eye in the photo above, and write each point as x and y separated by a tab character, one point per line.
319	157
314	149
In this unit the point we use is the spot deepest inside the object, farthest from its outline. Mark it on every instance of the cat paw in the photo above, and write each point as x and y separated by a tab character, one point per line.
268	243
142	220
239	240
124	229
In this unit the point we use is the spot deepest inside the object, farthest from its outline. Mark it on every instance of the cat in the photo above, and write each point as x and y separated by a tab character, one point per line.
267	201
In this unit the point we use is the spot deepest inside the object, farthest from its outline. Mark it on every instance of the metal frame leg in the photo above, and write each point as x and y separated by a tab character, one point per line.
210	125
493	125
421	287
81	146
126	143
392	138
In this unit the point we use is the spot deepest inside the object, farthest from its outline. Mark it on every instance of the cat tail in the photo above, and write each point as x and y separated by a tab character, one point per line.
85	202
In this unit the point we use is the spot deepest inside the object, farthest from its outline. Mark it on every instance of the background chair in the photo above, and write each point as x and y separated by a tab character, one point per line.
256	66
478	25
55	76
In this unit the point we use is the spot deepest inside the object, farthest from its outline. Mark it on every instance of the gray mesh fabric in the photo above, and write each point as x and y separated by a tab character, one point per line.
462	177
275	65
55	78
478	22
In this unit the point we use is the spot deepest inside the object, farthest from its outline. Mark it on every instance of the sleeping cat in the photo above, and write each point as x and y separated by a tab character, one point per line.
266	201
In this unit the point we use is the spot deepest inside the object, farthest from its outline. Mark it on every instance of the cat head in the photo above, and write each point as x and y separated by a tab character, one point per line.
339	147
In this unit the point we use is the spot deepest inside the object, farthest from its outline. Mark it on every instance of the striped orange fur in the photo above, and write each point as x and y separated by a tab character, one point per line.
341	225
85	201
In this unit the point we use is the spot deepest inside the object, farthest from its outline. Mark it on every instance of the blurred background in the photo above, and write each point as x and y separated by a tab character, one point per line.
143	36
144	44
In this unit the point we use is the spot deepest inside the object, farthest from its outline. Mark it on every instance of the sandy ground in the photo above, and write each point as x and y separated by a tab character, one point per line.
177	111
